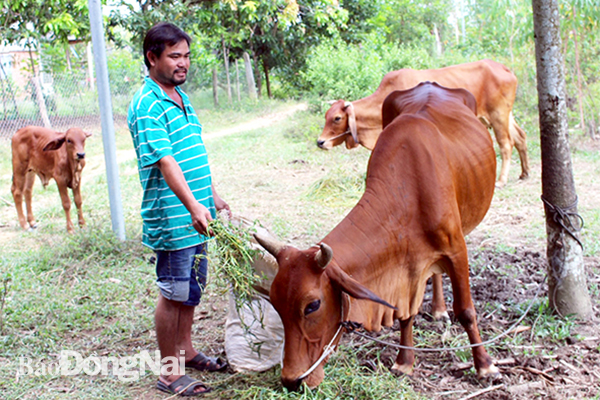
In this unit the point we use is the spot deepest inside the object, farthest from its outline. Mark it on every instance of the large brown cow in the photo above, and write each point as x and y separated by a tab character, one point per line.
493	85
430	181
49	154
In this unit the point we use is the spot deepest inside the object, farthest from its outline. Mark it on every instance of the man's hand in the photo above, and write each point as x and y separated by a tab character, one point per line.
200	219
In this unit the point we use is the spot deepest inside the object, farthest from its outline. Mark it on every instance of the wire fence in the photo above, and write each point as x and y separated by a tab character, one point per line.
64	93
60	101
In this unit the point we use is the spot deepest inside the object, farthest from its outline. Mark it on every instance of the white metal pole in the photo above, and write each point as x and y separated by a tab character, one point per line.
106	116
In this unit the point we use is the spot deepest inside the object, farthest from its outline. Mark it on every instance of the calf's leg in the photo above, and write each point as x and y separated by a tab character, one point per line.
18	184
66	203
28	192
78	204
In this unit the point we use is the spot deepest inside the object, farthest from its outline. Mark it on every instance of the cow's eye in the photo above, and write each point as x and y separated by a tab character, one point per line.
337	119
68	140
312	307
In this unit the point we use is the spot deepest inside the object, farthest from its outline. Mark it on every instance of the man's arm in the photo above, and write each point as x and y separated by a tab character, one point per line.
176	181
220	204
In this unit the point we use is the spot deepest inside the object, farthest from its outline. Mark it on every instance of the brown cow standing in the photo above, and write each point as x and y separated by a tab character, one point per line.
430	181
493	85
49	154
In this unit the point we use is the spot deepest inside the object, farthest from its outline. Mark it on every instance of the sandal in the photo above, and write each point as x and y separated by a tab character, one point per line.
184	386
205	363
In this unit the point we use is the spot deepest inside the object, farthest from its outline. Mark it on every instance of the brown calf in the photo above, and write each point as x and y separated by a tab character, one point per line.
49	154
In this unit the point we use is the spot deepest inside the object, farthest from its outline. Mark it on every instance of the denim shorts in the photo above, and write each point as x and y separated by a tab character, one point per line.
181	276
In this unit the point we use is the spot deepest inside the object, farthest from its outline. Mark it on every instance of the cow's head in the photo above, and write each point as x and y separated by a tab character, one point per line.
74	141
308	293
340	126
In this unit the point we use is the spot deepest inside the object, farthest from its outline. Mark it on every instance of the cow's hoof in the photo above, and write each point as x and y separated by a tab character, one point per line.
500	184
491	373
524	176
441	316
401	370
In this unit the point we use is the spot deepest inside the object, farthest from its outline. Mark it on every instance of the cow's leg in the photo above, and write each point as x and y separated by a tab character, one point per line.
66	203
505	143
519	138
465	311
28	192
78	204
406	357
17	188
438	304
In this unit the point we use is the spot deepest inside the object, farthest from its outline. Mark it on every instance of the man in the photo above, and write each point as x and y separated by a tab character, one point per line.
178	202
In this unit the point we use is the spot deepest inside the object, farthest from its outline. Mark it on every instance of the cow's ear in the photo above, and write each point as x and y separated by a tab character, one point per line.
55	143
352	287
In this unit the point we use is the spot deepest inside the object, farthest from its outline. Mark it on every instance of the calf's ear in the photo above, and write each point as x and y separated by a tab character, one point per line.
352	287
55	143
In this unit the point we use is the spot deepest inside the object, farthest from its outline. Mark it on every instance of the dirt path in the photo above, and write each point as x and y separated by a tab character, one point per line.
261	122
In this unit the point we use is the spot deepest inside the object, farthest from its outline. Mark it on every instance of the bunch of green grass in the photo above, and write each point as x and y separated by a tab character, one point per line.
235	257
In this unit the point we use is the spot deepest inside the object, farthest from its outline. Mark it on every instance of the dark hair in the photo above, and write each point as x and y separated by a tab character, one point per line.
161	35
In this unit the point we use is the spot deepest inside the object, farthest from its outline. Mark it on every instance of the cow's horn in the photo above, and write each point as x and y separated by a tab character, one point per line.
270	244
323	256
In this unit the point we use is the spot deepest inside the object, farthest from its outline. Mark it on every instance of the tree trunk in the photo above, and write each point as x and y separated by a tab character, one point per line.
39	96
257	78
249	77
215	87
438	42
267	81
567	287
90	61
578	68
68	56
237	80
226	60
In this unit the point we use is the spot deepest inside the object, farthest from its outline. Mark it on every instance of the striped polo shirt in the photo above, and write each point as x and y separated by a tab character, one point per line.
159	128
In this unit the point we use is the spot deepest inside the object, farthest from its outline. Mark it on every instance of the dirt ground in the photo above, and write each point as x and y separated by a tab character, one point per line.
538	368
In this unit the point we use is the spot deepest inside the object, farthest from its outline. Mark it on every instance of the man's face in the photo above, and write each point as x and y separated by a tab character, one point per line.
170	69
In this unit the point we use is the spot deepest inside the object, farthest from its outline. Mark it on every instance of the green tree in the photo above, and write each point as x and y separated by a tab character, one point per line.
43	20
411	22
579	30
